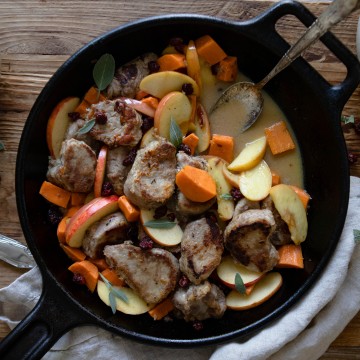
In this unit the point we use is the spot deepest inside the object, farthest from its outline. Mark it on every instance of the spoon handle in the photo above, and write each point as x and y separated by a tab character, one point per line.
15	253
334	13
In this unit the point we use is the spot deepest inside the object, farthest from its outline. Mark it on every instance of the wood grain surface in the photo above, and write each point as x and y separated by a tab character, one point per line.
36	37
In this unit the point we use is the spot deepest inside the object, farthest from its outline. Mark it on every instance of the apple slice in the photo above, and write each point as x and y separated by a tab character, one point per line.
135	304
140	106
58	123
250	156
255	184
165	237
100	171
161	83
225	206
207	77
232	178
193	64
263	291
291	210
175	105
88	215
228	268
202	128
148	137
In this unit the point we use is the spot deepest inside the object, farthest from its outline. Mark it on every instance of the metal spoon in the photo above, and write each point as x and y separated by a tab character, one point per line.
249	94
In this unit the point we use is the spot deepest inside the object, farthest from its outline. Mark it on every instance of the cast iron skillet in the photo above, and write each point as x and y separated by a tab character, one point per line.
313	108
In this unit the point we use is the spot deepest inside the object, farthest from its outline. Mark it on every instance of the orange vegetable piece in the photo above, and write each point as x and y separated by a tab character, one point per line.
209	50
275	178
161	309
279	138
77	199
101	264
130	211
61	228
171	62
303	195
227	70
93	96
290	256
82	108
88	270
151	101
196	184
111	275
141	94
191	141
249	289
55	194
73	253
222	146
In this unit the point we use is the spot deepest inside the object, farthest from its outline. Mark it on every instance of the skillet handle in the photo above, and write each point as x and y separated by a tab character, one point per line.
339	93
51	317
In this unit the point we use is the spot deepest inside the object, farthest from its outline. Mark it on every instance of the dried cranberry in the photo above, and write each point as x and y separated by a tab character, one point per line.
54	215
146	243
100	117
352	158
147	124
153	67
74	115
198	325
184	281
171	216
185	148
160	212
107	189
130	158
119	107
78	279
236	194
187	89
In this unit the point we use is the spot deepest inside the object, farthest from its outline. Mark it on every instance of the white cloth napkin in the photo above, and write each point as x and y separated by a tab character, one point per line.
305	332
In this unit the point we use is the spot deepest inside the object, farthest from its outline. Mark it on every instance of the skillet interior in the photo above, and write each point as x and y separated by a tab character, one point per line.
309	111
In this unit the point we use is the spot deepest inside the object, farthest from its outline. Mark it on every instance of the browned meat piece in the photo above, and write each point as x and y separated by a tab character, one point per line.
119	124
201	250
280	234
246	238
151	180
73	133
184	206
116	171
111	229
199	302
128	77
245	204
153	274
74	170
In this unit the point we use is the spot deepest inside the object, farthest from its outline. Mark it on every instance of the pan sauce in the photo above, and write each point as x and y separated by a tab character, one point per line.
227	121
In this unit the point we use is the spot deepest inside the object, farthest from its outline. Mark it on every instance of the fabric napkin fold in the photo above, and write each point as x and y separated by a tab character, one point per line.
305	332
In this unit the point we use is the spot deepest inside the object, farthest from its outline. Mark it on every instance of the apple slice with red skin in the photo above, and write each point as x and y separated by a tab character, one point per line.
100	170
93	211
58	123
140	106
228	268
202	128
263	290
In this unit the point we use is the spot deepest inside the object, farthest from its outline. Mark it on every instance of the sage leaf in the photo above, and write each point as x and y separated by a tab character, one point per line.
119	294
112	301
160	224
104	71
175	133
356	236
348	119
239	284
2	146
106	281
87	127
226	196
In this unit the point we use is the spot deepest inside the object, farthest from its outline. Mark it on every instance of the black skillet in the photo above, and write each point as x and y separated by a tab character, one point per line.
311	104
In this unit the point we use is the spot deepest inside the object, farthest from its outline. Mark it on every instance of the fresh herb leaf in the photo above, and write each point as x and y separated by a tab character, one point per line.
239	284
2	146
112	301
87	127
113	293
106	281
160	224
175	133
119	294
226	196
356	236
348	119
104	71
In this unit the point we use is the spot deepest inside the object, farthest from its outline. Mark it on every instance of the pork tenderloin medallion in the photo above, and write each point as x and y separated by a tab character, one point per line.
246	238
116	123
151	180
74	170
153	273
128	77
112	229
201	249
199	302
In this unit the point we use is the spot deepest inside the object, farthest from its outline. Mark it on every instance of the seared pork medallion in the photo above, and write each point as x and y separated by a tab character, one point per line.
153	274
162	212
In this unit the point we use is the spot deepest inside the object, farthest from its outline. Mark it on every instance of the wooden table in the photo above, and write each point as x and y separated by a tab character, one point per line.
36	37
